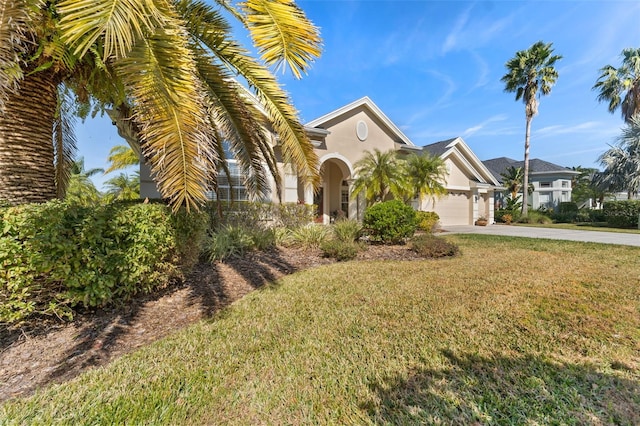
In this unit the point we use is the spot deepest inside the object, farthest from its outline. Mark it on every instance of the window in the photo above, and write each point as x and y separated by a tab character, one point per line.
344	199
565	196
565	183
545	184
231	187
545	199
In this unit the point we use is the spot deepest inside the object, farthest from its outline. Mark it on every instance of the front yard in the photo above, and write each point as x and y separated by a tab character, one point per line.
512	331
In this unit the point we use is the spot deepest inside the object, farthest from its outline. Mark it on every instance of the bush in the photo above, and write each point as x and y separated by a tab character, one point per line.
623	214
340	250
57	256
567	207
567	217
310	236
390	222
501	215
230	241
507	218
347	230
427	221
431	246
535	217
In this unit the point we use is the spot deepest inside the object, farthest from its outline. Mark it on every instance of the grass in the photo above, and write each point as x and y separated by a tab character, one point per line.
513	331
597	226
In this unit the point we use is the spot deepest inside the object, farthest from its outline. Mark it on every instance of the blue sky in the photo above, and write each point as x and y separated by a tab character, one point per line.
434	68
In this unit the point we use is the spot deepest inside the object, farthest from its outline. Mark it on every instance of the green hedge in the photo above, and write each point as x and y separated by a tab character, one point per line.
56	256
623	214
390	222
427	221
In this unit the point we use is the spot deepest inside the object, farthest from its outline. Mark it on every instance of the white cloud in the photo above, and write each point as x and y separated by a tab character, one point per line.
475	129
563	130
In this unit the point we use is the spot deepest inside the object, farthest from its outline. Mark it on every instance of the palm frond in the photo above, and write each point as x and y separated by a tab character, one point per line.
296	147
159	73
117	23
282	33
120	157
15	22
64	143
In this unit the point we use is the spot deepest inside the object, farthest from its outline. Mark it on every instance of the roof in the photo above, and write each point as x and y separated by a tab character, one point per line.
369	105
438	148
499	165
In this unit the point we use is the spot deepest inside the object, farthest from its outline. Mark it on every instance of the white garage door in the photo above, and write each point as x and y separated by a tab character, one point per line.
454	209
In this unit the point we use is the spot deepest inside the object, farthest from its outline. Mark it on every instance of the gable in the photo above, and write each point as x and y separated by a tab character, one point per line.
463	165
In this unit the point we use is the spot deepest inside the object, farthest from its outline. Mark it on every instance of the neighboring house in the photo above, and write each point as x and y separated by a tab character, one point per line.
340	139
551	182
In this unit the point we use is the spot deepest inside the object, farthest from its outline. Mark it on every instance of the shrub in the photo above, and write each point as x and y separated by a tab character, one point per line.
347	230
623	214
433	247
292	215
427	221
340	250
228	241
507	218
191	233
310	236
597	215
57	256
567	217
390	222
567	207
583	216
535	217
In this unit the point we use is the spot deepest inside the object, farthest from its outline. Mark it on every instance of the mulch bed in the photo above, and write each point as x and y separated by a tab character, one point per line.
48	351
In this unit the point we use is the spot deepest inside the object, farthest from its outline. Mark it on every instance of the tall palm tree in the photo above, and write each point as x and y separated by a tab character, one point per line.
120	157
622	162
379	175
530	74
167	69
426	174
621	86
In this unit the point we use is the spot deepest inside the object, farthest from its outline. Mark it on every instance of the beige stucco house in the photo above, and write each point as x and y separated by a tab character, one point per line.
342	137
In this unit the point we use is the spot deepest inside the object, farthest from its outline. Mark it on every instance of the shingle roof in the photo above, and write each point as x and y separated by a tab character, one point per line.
438	148
501	164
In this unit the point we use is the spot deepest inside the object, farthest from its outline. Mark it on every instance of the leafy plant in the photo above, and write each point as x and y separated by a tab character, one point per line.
340	250
427	221
228	241
310	236
428	245
347	230
535	217
390	222
623	214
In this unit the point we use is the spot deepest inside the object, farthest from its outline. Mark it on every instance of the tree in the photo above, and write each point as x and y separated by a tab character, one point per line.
379	175
622	162
167	70
582	186
426	174
621	86
123	187
513	180
530	74
120	157
80	189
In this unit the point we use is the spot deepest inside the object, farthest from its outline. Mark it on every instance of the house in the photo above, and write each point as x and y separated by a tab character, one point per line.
551	182
340	139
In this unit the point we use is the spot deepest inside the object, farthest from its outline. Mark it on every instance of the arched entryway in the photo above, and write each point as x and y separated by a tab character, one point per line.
333	197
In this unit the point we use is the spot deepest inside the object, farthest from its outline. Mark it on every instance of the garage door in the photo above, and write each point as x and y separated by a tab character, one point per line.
454	209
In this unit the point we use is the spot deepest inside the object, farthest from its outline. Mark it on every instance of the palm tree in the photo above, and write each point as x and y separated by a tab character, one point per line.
379	175
80	188
531	73
512	179
123	187
426	173
621	86
120	157
622	162
167	70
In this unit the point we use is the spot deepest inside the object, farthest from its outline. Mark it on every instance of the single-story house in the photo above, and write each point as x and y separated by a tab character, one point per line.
342	137
551	182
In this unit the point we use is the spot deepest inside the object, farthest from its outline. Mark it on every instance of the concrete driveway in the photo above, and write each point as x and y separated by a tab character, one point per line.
550	233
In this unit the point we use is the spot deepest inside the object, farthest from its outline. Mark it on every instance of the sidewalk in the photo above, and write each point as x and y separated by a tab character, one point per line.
550	233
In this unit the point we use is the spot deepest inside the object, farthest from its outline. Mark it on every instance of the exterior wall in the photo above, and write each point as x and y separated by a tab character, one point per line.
456	179
148	188
550	190
454	209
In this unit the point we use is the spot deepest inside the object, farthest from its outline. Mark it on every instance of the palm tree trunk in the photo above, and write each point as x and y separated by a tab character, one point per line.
26	142
525	178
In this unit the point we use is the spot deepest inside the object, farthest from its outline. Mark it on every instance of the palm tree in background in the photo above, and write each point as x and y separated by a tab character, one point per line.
120	157
530	74
622	162
80	189
380	175
166	70
621	86
426	174
512	179
123	187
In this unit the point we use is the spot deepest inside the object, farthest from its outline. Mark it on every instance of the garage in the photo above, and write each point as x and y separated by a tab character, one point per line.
454	209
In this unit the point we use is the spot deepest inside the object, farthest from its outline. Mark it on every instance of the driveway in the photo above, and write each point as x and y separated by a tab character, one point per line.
550	233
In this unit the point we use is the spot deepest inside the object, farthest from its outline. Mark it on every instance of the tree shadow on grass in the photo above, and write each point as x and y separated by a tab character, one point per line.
505	390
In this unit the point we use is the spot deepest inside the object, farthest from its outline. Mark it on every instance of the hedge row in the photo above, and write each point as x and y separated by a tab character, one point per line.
55	256
623	214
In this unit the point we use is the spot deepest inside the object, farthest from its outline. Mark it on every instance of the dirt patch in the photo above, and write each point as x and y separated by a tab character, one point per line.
53	352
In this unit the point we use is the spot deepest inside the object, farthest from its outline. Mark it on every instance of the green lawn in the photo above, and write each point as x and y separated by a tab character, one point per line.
513	331
602	227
